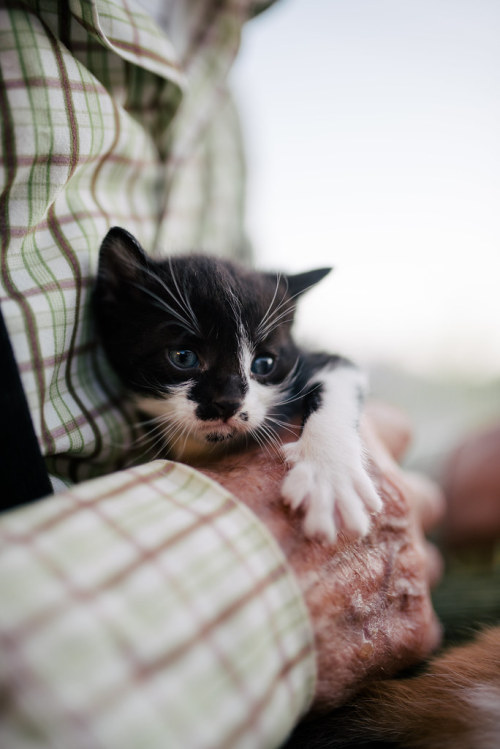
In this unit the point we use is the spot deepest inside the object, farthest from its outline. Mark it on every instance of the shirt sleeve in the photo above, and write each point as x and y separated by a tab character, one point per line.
144	608
106	119
148	608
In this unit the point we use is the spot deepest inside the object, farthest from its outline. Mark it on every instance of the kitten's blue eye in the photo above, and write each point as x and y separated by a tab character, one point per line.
183	358
262	365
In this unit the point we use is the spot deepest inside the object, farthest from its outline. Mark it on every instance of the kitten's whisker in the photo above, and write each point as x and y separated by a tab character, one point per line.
293	371
235	305
153	437
165	431
268	310
284	305
146	439
266	439
260	441
150	384
163	305
158	420
274	432
272	327
157	441
157	279
192	326
159	431
150	433
270	319
189	431
153	420
276	322
185	430
285	426
175	430
298	396
285	299
279	316
274	439
182	298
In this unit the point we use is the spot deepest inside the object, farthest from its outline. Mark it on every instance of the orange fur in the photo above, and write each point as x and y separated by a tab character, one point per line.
454	704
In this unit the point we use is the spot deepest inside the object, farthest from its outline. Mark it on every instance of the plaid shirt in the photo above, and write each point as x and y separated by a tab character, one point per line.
144	607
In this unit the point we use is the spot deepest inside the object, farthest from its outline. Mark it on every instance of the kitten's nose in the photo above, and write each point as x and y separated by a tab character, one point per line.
225	408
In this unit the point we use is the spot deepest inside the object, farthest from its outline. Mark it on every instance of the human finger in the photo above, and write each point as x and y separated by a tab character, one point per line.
425	498
392	426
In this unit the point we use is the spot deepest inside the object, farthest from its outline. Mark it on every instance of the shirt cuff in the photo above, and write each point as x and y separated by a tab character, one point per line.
149	608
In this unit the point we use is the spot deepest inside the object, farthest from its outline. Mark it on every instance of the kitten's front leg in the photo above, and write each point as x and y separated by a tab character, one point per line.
328	477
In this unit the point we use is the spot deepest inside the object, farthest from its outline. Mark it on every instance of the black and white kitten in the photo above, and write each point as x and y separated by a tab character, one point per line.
206	348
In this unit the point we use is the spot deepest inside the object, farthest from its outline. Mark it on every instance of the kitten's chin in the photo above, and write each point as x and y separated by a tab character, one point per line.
209	440
216	438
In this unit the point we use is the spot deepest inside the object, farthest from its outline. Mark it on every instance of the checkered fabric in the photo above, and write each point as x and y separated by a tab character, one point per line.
146	607
105	122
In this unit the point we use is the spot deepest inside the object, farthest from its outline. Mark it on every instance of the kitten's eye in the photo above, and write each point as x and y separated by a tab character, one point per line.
183	358
262	365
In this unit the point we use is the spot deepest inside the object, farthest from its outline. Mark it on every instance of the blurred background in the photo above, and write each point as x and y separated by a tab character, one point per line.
373	144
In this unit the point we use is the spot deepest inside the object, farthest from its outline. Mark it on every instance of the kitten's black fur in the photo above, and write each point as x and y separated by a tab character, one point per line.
137	330
205	346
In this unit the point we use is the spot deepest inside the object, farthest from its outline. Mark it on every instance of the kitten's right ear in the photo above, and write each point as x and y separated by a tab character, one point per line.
299	283
121	260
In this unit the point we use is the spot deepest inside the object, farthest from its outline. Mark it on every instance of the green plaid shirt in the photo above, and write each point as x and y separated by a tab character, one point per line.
145	607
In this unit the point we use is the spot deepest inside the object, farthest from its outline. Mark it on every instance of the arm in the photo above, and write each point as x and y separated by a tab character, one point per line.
368	600
148	608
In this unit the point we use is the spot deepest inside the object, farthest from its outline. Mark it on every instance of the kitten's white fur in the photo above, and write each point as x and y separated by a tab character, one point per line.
189	441
327	476
259	398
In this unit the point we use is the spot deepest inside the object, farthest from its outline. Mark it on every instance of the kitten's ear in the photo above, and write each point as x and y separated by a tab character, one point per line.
121	260
301	282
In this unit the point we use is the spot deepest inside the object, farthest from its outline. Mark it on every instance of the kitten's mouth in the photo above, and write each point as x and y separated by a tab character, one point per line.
216	437
217	432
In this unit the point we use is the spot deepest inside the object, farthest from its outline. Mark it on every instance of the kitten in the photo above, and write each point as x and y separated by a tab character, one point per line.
206	348
454	704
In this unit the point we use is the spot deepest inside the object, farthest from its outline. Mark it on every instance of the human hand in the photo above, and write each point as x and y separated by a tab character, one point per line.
472	487
368	599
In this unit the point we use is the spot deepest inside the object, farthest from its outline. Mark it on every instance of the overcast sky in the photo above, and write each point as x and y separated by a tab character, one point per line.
373	137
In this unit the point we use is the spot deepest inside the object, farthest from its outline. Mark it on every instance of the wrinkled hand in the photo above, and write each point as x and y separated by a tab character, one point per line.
368	599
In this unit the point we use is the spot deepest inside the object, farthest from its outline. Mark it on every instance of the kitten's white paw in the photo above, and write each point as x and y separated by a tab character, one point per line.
335	492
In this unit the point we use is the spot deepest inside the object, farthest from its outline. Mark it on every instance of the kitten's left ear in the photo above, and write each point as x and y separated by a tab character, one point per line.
122	266
301	282
121	256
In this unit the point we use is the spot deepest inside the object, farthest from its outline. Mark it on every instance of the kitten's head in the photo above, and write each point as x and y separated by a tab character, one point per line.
204	344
